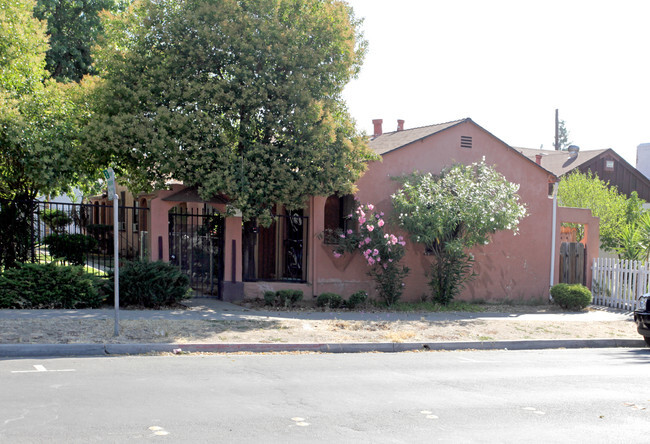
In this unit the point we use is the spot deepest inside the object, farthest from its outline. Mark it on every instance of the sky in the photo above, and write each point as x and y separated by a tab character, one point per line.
508	65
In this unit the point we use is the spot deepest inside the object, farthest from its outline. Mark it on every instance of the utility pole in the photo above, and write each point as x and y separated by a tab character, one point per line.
557	130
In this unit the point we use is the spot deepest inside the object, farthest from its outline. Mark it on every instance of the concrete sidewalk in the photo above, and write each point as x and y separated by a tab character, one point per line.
215	310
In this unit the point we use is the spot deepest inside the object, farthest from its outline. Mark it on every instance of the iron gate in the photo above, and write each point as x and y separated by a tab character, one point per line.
196	242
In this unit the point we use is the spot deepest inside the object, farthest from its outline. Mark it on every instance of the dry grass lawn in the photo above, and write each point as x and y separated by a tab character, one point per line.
64	331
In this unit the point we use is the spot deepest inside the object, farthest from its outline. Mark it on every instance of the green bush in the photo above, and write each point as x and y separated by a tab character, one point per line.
56	219
288	298
70	247
357	299
571	296
148	284
330	300
49	286
269	298
282	298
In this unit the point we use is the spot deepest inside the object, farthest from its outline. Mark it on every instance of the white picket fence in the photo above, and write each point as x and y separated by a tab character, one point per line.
618	283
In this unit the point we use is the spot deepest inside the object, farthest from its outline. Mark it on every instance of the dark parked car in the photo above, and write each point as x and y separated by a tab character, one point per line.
642	317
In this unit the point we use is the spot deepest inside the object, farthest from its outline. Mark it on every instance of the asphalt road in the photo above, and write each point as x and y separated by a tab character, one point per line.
585	395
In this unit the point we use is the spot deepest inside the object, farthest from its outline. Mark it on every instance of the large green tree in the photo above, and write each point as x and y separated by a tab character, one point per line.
73	27
614	209
241	98
39	122
451	213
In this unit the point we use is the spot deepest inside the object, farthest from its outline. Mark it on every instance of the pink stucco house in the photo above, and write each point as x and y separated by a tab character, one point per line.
292	254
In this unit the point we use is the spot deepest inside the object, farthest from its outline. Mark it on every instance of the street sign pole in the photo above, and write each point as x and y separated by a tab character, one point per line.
116	267
109	174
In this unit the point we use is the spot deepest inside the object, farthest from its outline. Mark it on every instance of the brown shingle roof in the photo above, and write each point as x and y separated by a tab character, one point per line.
391	141
559	162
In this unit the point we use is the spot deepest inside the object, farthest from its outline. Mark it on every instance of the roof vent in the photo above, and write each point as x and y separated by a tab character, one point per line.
465	141
573	151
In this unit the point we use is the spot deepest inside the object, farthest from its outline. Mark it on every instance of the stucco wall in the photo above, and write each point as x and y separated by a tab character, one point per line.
511	267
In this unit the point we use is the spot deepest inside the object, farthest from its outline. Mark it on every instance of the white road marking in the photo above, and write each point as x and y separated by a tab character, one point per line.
158	431
300	421
41	368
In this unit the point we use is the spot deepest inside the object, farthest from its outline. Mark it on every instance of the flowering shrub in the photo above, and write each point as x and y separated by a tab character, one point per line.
381	250
453	212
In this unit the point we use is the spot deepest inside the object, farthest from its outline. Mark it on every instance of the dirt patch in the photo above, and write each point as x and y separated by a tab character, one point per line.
65	331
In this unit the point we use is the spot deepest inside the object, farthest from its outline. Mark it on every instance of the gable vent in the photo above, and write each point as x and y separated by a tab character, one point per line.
465	141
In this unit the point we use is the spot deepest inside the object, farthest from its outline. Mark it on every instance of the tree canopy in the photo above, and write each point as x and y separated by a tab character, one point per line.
453	212
563	137
238	98
39	118
22	47
614	209
73	27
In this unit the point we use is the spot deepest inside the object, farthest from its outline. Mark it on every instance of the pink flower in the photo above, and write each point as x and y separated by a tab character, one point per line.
367	253
400	238
381	214
381	222
362	220
402	243
385	266
375	252
370	227
378	259
349	231
371	207
367	240
371	261
342	236
336	254
390	260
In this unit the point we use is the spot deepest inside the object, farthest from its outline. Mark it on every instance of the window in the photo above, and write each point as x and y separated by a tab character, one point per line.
338	210
609	165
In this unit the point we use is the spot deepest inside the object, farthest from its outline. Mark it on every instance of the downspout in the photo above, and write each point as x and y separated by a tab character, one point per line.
553	234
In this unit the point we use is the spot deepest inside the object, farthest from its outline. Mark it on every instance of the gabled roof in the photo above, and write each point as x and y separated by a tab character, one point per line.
391	141
388	142
559	162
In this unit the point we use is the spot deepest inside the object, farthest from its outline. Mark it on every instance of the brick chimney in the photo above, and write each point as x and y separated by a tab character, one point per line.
538	159
400	125
377	123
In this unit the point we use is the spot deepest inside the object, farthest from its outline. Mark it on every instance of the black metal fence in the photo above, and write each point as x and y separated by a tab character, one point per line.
38	231
196	243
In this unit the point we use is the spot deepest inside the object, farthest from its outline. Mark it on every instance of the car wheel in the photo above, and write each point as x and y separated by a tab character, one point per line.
647	340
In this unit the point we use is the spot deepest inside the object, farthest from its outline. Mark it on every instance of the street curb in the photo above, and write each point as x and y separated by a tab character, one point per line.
51	350
41	350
